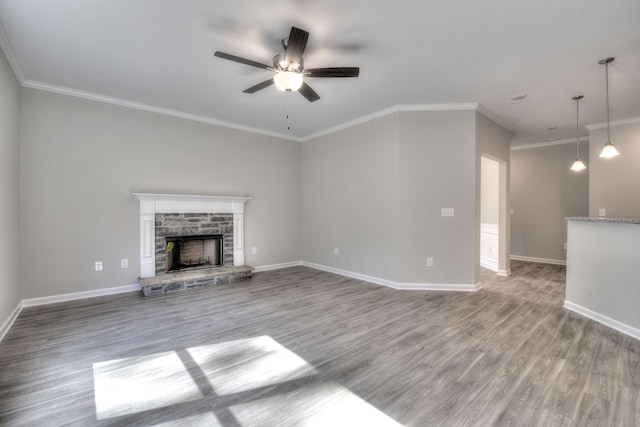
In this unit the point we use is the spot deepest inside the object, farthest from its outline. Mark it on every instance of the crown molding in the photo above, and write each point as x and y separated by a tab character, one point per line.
62	90
489	115
5	45
614	123
548	143
150	108
470	106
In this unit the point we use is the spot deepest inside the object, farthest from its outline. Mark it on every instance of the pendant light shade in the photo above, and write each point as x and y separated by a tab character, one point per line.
578	165
609	150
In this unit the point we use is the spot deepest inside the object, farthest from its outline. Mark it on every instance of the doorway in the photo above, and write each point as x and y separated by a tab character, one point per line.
494	253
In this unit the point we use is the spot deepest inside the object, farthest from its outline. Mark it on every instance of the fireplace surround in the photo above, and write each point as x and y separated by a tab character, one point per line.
169	220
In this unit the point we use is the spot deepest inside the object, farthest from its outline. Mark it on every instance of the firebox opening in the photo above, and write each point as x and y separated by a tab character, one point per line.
191	252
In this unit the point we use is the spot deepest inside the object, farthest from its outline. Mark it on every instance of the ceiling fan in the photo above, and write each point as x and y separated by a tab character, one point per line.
289	70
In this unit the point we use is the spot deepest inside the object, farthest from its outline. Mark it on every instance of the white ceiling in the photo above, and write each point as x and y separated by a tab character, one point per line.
159	53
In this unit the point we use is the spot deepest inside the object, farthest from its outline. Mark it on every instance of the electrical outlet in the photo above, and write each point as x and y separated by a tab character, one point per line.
512	211
602	212
98	265
429	262
336	251
254	251
124	263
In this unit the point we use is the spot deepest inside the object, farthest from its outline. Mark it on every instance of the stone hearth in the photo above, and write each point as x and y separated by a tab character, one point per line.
184	280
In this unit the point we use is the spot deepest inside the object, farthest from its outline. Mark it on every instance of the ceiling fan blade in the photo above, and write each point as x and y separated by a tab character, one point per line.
332	72
259	86
241	60
296	45
308	93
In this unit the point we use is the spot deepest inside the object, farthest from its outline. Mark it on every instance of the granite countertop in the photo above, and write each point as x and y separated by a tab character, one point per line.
610	220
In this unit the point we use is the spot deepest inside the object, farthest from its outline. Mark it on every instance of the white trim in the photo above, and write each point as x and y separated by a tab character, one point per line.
547	143
62	90
504	273
489	115
9	322
277	266
614	123
152	203
395	285
489	263
392	110
607	321
31	302
6	47
489	234
150	108
539	260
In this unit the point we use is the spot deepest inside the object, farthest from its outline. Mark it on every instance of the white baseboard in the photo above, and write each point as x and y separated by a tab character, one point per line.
9	322
538	260
395	285
600	318
79	295
505	273
490	264
277	266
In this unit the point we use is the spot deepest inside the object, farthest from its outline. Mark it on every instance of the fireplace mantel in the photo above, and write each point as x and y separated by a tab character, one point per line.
152	203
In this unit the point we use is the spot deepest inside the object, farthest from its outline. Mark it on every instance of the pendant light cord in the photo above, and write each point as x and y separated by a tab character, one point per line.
578	126
606	73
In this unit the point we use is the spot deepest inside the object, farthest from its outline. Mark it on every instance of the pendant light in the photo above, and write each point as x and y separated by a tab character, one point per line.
578	165
608	150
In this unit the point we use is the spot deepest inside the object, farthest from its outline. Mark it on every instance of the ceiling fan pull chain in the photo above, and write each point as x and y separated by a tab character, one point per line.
288	126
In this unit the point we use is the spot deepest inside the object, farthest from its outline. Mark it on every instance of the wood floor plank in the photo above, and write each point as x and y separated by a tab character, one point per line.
508	354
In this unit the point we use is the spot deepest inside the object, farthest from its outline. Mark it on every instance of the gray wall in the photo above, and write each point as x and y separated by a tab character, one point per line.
614	184
544	191
80	161
349	199
375	192
9	105
602	277
437	170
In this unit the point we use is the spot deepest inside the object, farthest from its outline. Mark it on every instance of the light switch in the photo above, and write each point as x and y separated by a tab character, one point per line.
447	212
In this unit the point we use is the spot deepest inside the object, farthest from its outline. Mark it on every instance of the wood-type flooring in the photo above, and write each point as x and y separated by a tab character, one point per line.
299	346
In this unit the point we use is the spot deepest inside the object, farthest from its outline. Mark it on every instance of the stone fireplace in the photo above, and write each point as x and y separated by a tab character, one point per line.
183	237
190	241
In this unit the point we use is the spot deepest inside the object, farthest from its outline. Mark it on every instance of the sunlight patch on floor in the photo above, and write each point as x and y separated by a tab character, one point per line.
200	420
136	384
247	364
327	404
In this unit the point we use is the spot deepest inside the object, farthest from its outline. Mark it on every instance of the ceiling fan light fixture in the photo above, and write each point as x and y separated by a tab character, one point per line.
288	81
